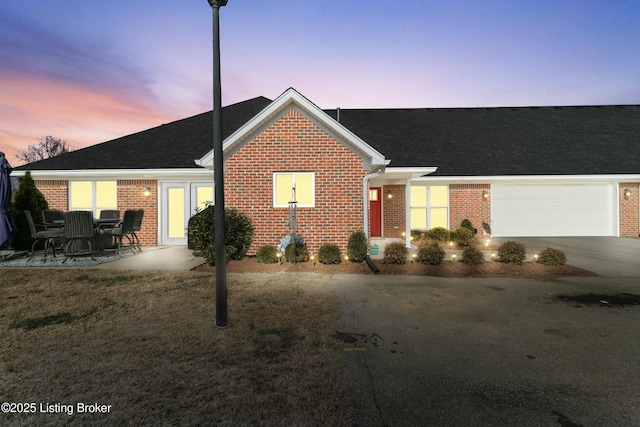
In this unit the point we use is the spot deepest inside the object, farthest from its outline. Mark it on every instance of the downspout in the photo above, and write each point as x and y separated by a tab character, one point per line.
365	210
365	198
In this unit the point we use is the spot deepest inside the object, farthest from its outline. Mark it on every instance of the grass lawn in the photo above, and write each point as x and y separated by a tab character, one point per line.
145	343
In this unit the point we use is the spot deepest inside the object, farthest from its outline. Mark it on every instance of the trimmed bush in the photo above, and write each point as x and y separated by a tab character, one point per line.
357	246
416	234
472	255
430	253
462	236
551	256
467	224
395	253
512	252
329	254
28	198
238	233
296	252
439	234
267	254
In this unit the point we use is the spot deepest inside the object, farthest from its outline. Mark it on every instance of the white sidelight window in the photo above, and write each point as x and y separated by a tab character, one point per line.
285	182
429	206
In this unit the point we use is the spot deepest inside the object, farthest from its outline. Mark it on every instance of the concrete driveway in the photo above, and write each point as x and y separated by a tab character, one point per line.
492	352
606	256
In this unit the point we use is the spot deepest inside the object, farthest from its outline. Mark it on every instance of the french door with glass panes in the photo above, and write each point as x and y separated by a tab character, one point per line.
179	202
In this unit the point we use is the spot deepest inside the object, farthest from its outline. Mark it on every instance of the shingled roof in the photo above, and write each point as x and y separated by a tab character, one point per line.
581	140
578	140
172	145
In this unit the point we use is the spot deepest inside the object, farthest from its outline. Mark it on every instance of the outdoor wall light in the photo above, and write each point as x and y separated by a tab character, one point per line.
147	191
403	234
485	194
389	196
627	192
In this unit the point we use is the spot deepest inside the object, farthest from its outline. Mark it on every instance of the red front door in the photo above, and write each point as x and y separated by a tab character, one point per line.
375	211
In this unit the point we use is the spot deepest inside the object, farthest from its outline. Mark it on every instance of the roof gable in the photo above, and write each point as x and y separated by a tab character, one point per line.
292	99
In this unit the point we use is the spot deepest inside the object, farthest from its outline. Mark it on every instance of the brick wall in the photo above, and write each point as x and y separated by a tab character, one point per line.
131	196
467	201
393	210
295	144
629	210
56	192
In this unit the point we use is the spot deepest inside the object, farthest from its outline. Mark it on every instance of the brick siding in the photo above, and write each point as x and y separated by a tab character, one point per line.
130	196
393	212
295	144
466	201
629	210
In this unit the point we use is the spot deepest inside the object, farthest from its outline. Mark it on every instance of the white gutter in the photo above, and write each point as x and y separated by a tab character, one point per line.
164	174
604	178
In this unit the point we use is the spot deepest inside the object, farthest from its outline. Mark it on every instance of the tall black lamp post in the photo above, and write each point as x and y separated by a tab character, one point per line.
218	173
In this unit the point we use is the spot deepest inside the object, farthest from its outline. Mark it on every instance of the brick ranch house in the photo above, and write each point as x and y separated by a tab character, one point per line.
526	171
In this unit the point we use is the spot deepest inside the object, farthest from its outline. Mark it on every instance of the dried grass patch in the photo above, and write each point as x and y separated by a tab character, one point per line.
145	343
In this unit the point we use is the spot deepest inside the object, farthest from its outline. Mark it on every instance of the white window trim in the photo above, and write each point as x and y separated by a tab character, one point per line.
429	205
293	179
94	207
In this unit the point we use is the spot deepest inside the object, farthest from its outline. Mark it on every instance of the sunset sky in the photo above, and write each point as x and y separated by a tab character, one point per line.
91	71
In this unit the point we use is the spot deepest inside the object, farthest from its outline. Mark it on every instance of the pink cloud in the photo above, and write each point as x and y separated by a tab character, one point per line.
34	107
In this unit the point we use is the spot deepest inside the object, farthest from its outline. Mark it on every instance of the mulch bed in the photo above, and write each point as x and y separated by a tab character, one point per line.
446	269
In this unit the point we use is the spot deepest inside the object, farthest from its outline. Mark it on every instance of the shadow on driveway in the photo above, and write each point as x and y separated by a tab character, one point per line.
489	352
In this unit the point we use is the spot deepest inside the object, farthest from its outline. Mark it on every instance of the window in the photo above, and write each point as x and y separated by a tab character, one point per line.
93	196
429	207
284	183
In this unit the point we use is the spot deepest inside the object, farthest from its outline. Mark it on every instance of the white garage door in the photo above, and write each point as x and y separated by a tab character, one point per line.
552	210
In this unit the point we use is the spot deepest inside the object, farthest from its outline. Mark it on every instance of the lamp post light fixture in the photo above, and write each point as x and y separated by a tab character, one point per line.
218	173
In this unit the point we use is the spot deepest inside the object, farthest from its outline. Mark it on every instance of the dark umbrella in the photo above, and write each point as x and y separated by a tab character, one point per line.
7	226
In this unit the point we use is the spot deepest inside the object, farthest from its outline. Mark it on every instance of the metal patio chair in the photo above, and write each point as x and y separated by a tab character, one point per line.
49	236
50	216
137	225
79	234
125	229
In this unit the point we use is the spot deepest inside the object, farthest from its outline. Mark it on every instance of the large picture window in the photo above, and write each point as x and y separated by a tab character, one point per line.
429	207
285	182
93	196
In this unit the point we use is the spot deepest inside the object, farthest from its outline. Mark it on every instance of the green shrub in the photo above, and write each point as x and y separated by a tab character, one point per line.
512	252
395	253
472	255
329	254
467	224
416	234
357	246
296	252
27	198
551	256
238	233
430	253
267	254
462	236
439	234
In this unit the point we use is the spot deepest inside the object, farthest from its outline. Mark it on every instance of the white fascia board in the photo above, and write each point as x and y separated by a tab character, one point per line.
290	98
399	175
534	179
160	174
